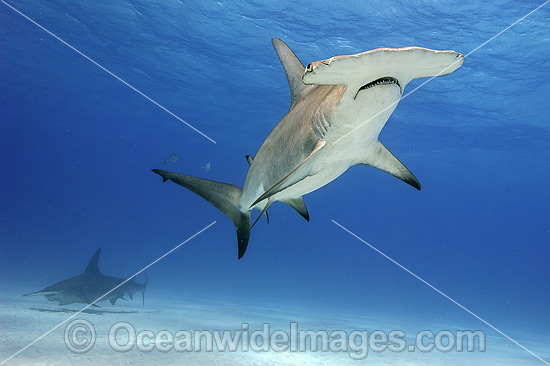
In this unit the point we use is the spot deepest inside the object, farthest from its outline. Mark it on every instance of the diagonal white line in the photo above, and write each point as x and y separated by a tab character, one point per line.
107	71
435	289
107	293
442	71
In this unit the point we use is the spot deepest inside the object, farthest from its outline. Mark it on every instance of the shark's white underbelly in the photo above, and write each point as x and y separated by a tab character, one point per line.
312	183
350	132
328	165
338	154
317	174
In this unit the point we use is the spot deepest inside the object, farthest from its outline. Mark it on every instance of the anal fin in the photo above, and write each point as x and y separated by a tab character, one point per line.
380	157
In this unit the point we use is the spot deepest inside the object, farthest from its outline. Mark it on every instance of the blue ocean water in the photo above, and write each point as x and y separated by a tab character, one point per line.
77	147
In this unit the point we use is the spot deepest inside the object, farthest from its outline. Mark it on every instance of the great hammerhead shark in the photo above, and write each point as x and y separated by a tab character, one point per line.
338	108
90	286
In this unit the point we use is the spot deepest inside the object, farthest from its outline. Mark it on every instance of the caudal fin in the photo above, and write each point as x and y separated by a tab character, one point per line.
225	197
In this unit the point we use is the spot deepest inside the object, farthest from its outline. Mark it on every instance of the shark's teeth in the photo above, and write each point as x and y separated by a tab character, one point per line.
386	80
382	81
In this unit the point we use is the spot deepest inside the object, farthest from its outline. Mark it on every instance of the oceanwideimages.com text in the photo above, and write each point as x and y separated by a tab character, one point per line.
80	337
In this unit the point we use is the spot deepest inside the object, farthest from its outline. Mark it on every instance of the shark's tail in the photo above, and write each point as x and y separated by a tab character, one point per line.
224	197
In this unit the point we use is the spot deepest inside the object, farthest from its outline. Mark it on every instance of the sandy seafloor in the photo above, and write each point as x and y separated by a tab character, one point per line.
25	320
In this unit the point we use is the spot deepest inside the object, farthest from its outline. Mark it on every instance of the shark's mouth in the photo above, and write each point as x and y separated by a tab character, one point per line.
386	80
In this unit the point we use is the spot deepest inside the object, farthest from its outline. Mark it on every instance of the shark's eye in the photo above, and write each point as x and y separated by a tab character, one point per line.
309	67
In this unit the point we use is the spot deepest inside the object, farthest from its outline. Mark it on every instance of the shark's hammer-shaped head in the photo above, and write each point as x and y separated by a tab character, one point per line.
382	66
374	83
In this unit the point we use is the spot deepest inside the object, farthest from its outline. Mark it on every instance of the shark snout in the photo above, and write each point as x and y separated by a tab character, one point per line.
458	61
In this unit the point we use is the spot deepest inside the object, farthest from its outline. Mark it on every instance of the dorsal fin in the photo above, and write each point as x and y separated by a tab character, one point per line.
294	70
92	266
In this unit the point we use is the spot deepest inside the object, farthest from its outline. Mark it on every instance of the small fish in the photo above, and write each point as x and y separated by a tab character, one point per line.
206	167
171	159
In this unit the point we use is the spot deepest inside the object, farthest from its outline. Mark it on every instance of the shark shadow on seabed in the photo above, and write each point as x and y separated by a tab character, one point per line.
90	311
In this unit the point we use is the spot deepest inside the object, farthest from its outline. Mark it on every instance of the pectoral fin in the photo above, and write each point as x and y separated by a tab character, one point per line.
299	205
380	157
86	300
43	293
250	160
